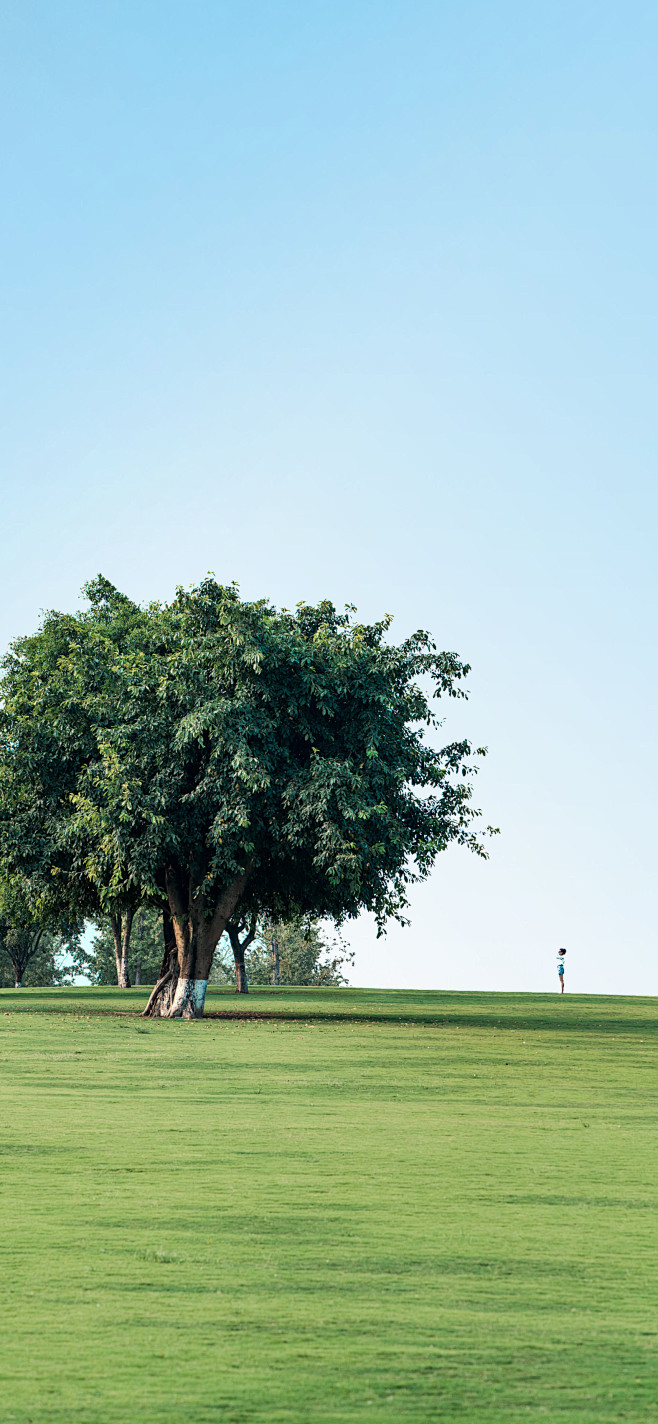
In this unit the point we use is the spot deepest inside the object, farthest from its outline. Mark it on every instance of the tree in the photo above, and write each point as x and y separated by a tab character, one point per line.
98	960
19	946
146	945
121	926
32	958
271	953
237	927
31	953
296	954
48	743
222	758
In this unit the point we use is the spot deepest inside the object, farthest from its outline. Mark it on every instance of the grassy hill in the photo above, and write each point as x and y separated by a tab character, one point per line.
362	1206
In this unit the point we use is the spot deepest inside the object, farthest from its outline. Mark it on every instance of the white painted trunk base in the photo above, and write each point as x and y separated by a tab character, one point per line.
189	999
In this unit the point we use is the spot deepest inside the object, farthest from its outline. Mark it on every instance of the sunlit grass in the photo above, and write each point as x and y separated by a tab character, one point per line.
437	1206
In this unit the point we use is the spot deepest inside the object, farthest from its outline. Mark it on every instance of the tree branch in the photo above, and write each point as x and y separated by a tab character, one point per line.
227	904
174	894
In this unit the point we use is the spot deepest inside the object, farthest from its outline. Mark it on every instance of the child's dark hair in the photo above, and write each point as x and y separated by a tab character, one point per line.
562	951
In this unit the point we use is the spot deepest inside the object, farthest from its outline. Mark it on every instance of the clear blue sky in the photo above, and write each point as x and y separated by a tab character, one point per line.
359	300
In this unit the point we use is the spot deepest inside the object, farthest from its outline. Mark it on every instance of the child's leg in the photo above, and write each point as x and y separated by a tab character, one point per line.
562	983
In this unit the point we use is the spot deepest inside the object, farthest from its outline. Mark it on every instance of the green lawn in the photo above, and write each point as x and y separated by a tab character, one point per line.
369	1206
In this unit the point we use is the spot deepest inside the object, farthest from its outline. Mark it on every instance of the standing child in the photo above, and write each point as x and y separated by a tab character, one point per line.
560	967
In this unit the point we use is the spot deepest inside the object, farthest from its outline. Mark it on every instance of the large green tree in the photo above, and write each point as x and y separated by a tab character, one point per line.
221	759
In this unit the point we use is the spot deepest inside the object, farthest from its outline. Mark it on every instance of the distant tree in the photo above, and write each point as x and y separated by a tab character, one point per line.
296	954
146	946
98	961
241	932
31	954
52	839
280	953
216	757
32	958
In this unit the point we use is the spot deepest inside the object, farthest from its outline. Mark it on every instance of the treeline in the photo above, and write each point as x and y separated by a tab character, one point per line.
278	954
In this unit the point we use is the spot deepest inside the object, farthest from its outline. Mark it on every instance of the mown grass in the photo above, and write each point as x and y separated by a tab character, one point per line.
368	1207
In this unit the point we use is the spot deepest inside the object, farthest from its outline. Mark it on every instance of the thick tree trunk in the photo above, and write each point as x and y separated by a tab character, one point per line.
192	930
121	936
179	995
18	982
138	972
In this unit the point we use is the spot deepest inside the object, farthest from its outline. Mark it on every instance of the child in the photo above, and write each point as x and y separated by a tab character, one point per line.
560	967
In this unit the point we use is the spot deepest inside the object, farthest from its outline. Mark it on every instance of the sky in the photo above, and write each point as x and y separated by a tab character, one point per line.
358	300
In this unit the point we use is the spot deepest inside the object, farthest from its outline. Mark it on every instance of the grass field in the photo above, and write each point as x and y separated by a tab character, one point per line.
368	1207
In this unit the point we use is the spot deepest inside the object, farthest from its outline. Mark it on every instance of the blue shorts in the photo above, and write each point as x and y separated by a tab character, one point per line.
561	970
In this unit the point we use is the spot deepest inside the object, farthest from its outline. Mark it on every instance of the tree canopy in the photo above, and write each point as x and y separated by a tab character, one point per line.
217	757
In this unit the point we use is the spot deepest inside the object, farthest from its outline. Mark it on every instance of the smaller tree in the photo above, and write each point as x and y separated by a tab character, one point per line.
32	958
296	953
32	953
146	945
19	947
139	964
241	933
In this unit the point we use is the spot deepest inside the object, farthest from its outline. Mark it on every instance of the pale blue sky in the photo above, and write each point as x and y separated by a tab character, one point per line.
359	300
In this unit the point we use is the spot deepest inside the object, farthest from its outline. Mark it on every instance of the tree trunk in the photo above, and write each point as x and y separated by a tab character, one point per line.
179	993
161	996
241	985
138	971
239	946
121	937
192	930
125	948
275	958
20	964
